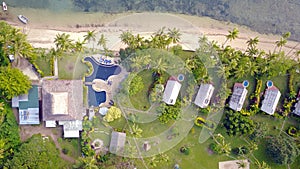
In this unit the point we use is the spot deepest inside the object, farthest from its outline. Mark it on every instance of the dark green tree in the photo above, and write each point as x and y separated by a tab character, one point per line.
37	152
282	150
13	82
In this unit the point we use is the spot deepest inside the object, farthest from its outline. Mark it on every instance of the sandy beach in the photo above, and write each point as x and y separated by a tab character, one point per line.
41	33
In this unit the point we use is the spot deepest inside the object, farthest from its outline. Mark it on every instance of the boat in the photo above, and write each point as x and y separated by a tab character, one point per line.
4	6
23	19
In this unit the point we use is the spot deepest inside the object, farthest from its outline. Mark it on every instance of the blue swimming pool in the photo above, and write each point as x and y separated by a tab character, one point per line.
245	83
269	83
101	71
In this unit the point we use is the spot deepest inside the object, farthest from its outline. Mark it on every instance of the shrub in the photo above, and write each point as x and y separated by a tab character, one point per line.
185	150
199	121
65	150
292	131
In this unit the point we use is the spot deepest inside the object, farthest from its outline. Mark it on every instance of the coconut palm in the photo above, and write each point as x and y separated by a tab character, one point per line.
282	42
252	42
86	163
78	46
241	164
262	165
160	66
174	35
136	131
127	37
232	35
102	41
90	37
63	42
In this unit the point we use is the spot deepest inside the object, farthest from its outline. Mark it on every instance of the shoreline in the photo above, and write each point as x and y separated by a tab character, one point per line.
42	34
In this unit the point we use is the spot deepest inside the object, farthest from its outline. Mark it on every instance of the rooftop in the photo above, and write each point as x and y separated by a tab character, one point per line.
271	99
204	95
62	100
117	142
238	97
171	92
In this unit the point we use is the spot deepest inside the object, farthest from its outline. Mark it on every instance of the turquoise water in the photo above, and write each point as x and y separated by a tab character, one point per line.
54	5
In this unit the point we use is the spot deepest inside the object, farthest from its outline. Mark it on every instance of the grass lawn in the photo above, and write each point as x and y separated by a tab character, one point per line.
71	67
44	65
72	146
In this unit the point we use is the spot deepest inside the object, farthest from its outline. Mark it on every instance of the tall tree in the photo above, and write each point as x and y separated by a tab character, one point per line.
231	36
63	42
86	163
102	41
90	37
174	35
13	82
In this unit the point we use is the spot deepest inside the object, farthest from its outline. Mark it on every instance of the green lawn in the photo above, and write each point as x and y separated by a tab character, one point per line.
44	65
71	67
72	146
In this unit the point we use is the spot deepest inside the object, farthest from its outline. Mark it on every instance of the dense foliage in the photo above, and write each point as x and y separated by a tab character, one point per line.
13	82
37	152
282	150
167	113
113	113
9	133
238	124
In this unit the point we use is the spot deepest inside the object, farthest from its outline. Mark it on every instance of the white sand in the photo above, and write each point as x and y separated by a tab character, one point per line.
191	28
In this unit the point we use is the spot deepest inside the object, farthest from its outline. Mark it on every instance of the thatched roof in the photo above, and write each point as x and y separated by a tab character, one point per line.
62	100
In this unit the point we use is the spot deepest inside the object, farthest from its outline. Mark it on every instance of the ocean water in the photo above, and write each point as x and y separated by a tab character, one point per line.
53	5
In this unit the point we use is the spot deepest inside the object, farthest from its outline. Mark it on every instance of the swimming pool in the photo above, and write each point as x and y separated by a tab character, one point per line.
100	71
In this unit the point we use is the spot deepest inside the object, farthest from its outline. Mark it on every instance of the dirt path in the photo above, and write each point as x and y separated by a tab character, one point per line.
26	131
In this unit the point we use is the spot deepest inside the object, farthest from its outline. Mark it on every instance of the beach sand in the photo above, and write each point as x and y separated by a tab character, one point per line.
45	25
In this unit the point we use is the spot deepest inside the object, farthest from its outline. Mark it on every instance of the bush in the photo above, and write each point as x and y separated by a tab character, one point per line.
65	150
292	131
185	150
199	121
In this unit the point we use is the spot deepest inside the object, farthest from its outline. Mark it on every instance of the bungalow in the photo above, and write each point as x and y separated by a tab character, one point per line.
238	97
28	105
171	91
271	99
297	105
204	95
117	142
234	164
63	104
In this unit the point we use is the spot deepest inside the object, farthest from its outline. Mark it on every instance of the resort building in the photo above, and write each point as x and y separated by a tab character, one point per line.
63	105
297	105
271	99
117	142
238	97
234	164
28	105
204	95
171	91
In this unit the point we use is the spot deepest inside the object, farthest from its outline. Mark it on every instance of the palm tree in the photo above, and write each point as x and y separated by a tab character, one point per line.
86	163
127	37
174	35
282	42
252	42
90	37
63	42
160	66
231	36
136	131
241	164
102	41
262	165
78	46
